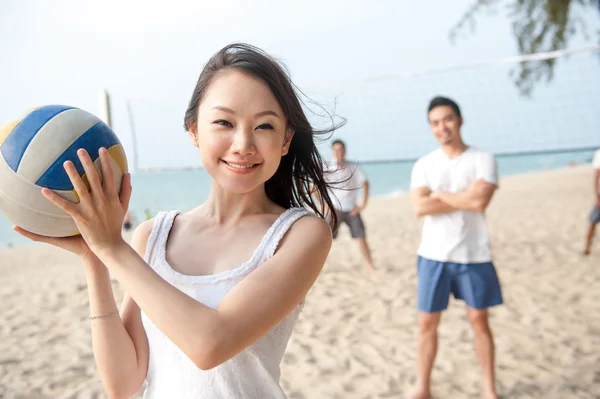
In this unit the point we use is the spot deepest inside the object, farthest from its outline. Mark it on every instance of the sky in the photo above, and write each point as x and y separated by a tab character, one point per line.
149	53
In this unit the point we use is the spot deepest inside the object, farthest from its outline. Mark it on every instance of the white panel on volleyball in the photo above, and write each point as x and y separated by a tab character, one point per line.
52	140
23	203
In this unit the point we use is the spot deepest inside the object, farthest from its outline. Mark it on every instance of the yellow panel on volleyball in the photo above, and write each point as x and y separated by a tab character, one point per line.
6	129
118	155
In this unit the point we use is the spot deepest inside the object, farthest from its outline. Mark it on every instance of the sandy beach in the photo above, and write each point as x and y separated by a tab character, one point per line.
356	337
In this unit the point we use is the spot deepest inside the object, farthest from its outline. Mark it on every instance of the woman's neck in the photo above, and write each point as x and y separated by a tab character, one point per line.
227	207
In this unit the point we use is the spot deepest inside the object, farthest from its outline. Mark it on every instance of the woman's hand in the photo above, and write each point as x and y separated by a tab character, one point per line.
100	212
75	244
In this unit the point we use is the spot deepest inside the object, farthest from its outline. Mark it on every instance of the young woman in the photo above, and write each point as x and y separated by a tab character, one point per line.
212	295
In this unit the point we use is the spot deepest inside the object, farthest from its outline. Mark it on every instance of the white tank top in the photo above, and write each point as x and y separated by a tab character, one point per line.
251	374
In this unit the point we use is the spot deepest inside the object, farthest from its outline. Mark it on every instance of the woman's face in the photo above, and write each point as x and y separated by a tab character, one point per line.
241	131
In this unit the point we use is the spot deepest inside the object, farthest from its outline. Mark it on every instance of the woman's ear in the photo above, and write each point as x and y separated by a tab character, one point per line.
289	135
193	130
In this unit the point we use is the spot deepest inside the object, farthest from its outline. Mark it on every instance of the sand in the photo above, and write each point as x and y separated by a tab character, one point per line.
356	337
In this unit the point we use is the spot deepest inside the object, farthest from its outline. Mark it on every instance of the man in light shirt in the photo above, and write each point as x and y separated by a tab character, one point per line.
594	217
346	178
451	187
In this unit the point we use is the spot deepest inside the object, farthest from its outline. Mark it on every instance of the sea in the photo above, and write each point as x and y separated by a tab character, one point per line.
184	189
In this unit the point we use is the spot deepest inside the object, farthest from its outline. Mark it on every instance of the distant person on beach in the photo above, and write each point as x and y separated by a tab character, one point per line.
346	178
451	187
128	221
594	217
147	214
212	295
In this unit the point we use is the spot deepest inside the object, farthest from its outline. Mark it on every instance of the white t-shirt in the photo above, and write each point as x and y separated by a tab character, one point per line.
344	184
596	160
459	236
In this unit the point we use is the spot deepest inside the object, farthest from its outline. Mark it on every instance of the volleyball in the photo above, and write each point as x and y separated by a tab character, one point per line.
33	149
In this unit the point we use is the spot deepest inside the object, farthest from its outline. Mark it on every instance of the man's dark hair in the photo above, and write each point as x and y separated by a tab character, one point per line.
338	141
440	101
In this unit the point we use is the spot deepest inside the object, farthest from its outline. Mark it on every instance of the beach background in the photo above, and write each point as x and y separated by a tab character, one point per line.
356	337
377	67
163	190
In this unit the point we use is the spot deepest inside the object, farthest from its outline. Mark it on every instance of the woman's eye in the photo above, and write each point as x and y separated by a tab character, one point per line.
223	122
265	126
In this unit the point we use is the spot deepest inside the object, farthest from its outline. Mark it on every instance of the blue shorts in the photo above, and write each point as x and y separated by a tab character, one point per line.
475	283
594	217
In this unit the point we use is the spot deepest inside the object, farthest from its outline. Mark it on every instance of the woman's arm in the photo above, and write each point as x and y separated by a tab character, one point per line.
207	336
257	304
120	344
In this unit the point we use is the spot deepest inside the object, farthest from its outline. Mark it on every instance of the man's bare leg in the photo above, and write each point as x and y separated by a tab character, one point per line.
484	346
589	238
427	349
366	252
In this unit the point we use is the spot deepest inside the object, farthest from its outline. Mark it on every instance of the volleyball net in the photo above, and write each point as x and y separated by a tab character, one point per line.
386	116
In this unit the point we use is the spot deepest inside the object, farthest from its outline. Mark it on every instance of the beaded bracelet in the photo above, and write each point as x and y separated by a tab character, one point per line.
103	316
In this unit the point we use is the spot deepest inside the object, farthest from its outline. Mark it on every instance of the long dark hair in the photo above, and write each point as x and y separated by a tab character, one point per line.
300	173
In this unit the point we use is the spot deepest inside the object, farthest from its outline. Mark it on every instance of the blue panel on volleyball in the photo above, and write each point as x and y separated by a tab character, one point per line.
17	141
55	177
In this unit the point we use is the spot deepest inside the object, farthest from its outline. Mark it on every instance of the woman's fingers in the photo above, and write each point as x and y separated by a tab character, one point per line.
34	237
90	171
108	175
59	201
78	184
126	190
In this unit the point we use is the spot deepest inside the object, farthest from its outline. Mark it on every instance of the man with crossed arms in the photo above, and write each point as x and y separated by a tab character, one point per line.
451	188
